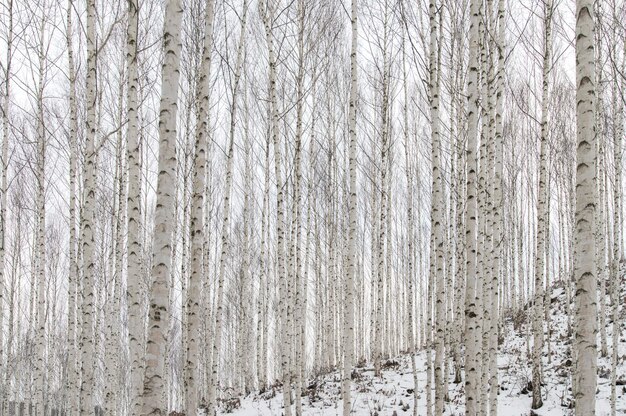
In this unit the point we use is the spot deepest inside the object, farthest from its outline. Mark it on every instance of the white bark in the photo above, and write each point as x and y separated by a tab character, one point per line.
194	316
472	327
543	223
296	257
87	223
41	368
348	347
437	205
411	339
459	280
112	307
498	211
14	302
247	290
72	321
585	348
384	201
154	394
262	332
134	265
601	217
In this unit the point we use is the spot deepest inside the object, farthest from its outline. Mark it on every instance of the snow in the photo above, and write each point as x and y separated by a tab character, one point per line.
392	393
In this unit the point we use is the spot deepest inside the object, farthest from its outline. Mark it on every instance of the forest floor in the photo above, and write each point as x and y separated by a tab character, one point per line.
392	393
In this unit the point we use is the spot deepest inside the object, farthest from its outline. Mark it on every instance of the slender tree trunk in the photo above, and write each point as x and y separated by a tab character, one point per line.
498	210
374	226
154	393
248	219
297	214
472	326
41	368
601	217
437	204
411	231
194	317
14	302
543	215
382	224
112	306
262	330
348	347
72	313
87	223
134	264
585	347
459	194
483	259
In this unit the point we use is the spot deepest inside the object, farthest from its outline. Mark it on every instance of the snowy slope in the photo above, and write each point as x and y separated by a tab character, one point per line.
392	394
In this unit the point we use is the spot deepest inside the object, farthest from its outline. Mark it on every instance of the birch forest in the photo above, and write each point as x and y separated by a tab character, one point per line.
312	207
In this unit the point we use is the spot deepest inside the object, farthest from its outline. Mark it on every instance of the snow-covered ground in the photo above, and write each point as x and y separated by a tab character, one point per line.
392	394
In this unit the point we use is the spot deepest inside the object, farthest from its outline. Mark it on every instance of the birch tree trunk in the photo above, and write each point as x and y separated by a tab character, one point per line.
460	188
348	347
112	307
263	278
14	303
72	321
543	215
411	231
498	209
87	346
41	369
437	204
134	266
601	215
194	324
154	394
296	256
585	347
472	328
382	225
248	219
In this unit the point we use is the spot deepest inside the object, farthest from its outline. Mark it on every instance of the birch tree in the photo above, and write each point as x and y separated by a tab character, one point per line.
436	214
472	318
384	162
197	227
86	345
585	347
543	214
134	274
41	368
348	349
154	392
72	313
